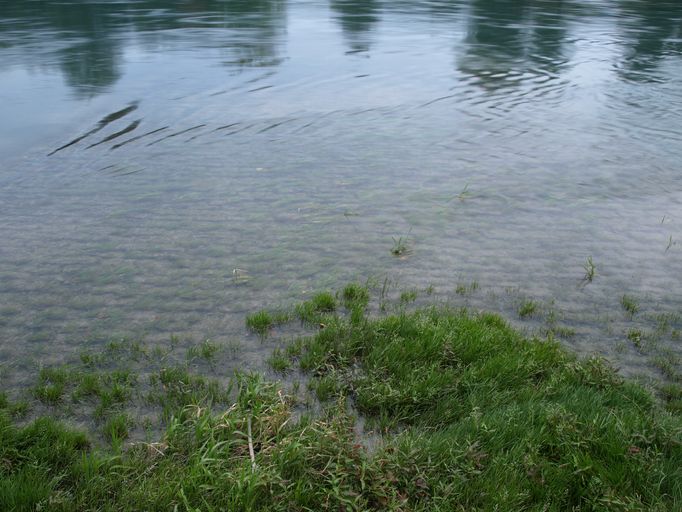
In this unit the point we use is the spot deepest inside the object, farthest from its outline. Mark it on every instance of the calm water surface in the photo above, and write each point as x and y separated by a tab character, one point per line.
167	167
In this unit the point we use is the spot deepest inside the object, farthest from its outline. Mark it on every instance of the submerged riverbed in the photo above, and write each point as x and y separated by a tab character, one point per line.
167	169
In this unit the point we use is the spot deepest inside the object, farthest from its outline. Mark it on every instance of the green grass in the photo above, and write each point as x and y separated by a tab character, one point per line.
316	309
116	428
52	385
464	289
279	361
260	322
206	350
590	270
630	305
401	246
473	416
408	296
355	295
527	308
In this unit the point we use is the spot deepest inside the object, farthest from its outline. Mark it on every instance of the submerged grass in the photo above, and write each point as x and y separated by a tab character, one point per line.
473	417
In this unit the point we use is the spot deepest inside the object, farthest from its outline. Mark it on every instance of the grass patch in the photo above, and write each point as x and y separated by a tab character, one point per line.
279	361
466	289
590	270
51	385
401	246
116	428
629	305
260	322
317	308
527	308
408	296
355	295
205	350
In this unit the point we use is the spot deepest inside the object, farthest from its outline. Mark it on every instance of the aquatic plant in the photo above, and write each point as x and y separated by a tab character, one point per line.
401	245
590	270
629	304
527	308
259	322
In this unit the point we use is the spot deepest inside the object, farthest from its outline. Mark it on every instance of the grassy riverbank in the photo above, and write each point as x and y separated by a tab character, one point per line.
466	413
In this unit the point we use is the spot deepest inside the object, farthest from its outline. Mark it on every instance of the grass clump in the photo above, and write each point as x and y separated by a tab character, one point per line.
590	270
464	289
355	295
279	361
205	350
260	322
51	385
314	310
630	305
408	296
401	246
527	308
116	428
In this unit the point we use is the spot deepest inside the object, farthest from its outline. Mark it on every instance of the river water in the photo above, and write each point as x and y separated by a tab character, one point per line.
168	167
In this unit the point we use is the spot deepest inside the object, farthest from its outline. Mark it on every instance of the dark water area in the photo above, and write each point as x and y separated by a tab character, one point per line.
168	167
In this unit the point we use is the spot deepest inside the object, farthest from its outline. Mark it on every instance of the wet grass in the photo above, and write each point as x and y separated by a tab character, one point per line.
315	310
629	305
590	270
260	322
471	415
528	308
466	289
401	246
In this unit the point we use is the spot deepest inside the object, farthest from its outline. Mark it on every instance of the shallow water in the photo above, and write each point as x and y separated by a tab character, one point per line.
167	169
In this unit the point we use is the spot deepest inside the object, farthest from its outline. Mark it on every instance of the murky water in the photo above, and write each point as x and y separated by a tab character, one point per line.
167	167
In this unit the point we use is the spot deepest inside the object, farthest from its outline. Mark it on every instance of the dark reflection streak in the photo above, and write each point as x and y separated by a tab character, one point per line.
275	125
260	88
225	127
176	134
116	135
240	130
126	173
100	125
116	146
437	100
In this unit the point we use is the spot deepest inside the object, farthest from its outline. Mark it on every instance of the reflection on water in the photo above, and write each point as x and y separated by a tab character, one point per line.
152	151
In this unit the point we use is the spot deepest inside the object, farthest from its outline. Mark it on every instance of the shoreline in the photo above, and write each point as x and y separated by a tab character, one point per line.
457	402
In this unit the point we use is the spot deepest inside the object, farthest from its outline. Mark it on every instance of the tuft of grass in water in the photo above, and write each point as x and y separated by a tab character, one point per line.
206	350
280	361
562	331
175	387
317	308
52	385
408	296
527	308
464	289
116	428
325	387
635	336
260	322
630	305
355	295
590	270
13	409
401	245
